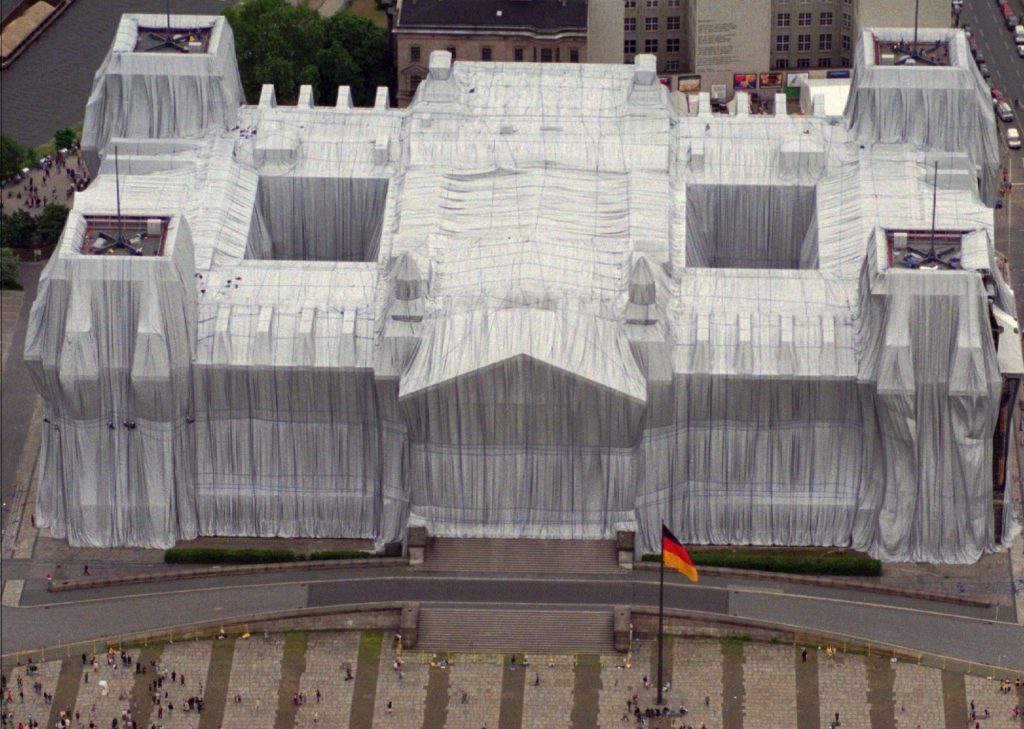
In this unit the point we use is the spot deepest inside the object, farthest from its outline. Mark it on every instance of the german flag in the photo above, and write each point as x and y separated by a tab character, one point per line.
674	554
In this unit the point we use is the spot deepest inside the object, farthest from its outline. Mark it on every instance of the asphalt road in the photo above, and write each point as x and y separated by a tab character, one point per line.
47	86
17	393
72	617
996	43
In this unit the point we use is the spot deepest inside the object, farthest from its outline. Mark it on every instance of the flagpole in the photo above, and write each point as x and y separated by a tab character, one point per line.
661	620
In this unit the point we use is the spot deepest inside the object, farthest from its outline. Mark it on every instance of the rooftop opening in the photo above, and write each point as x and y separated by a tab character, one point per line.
319	218
751	226
906	53
132	235
173	40
924	250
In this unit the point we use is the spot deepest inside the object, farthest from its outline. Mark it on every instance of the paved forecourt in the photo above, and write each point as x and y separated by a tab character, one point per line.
360	680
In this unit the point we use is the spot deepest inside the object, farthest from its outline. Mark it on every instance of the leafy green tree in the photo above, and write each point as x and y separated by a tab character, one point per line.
65	137
17	230
276	43
8	269
288	46
355	54
50	224
12	157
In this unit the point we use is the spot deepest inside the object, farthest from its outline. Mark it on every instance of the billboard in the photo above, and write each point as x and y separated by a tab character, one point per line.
744	81
794	80
771	80
688	84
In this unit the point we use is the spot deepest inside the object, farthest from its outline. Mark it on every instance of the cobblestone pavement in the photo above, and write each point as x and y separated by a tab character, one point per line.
619	684
843	689
917	694
33	707
328	655
107	694
53	185
255	674
985	695
697	673
191	660
769	688
407	694
770	682
553	695
479	677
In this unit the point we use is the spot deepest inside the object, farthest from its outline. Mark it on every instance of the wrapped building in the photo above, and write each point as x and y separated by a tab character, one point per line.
538	302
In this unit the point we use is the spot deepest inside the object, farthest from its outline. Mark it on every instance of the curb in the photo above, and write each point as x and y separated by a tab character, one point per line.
210	628
220	571
832	582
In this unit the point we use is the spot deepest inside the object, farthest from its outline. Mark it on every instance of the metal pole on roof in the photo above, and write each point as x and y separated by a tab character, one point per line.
935	200
917	7
167	6
117	194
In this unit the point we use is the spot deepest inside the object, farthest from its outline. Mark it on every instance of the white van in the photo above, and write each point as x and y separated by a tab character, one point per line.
1012	138
1018	34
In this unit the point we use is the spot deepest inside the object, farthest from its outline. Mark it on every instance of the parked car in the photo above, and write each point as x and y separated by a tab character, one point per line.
1020	50
1012	22
997	97
1004	111
1018	34
1013	138
979	57
985	73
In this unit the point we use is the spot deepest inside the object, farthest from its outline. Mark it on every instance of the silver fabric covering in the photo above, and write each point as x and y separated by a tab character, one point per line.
538	302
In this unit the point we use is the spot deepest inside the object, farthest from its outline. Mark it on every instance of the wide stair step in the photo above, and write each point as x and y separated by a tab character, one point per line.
510	631
518	556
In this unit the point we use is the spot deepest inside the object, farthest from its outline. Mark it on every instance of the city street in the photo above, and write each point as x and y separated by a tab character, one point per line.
74	617
1000	52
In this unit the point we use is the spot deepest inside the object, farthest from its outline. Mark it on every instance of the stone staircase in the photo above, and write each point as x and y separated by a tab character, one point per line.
521	556
538	631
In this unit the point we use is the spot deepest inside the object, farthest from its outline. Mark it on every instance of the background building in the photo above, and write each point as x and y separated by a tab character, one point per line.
706	42
544	31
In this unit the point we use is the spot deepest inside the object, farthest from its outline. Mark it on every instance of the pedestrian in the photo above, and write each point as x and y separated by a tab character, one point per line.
536	680
389	706
318	696
85	570
803	655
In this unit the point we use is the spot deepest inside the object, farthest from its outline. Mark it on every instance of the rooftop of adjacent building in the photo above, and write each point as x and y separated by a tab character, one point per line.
544	16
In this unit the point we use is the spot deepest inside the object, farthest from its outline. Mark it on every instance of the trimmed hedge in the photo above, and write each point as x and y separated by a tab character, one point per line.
210	555
216	555
340	554
798	563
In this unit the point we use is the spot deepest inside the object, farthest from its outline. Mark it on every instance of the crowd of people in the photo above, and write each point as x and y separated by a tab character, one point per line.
55	179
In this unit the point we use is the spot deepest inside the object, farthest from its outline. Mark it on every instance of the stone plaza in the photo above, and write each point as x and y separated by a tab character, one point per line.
362	679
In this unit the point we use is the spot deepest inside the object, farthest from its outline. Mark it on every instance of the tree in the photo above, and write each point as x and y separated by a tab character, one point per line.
288	46
17	230
50	224
8	269
63	138
355	54
276	43
13	157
